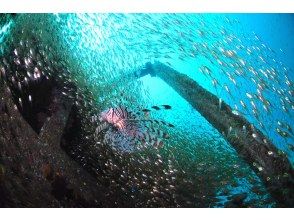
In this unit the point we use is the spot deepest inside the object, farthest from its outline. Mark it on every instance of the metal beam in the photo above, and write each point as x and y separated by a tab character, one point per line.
273	167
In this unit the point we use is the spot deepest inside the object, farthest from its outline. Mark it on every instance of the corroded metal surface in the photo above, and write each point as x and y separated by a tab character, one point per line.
35	171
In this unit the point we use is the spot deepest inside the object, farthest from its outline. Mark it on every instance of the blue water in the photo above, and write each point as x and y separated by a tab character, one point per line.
274	29
186	42
104	50
131	40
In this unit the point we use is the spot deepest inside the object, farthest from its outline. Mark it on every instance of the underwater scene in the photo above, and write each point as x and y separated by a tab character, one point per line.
146	110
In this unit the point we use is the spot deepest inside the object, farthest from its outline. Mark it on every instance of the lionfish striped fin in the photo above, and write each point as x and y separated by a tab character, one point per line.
132	127
151	136
101	127
157	132
122	112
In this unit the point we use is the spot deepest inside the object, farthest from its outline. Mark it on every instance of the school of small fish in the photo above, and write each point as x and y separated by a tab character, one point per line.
240	69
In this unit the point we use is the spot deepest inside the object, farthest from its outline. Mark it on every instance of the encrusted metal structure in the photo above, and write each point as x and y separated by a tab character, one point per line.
271	165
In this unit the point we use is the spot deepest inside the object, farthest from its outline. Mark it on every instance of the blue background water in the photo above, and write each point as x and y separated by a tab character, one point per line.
276	30
126	42
112	46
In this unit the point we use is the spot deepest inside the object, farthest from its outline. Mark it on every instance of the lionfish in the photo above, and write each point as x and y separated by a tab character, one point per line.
127	130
